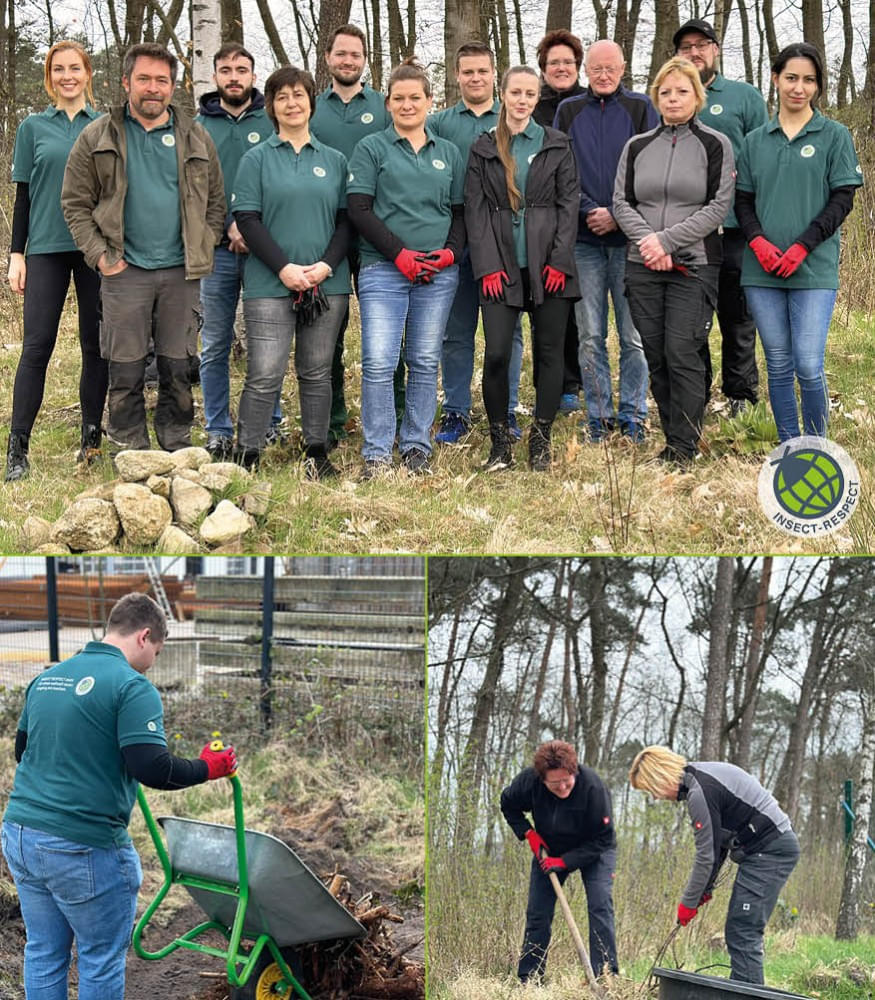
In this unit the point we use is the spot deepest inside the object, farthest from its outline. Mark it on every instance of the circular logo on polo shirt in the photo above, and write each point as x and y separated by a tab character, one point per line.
807	151
438	164
716	109
367	118
351	177
253	137
531	157
233	196
84	686
168	139
859	169
319	171
152	727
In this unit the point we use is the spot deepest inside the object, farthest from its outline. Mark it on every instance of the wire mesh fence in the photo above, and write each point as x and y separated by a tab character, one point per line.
321	649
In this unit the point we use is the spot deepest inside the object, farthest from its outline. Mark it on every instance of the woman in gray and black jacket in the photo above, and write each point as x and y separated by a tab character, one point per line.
674	187
732	815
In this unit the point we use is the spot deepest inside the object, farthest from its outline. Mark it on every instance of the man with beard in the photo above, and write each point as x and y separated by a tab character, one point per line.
346	111
144	202
235	118
734	108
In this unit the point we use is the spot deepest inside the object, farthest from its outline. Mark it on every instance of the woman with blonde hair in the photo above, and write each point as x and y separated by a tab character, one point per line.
43	256
673	188
731	814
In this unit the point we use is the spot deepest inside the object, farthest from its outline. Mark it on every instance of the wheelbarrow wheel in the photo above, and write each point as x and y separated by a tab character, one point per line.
262	984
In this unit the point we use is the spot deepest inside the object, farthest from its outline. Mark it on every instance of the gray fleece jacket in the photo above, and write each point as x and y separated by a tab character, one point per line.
677	181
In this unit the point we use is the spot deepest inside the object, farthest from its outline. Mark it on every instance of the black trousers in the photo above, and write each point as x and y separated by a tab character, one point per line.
598	879
673	313
737	330
549	322
45	291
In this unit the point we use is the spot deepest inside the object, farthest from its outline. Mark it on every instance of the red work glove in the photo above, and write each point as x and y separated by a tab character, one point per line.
766	253
439	259
408	263
706	897
492	285
685	914
791	258
552	865
554	281
220	763
536	842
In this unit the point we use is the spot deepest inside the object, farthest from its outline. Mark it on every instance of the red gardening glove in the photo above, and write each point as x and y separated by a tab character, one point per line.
492	285
408	263
439	259
706	897
536	842
552	865
554	281
685	914
221	763
766	253
791	258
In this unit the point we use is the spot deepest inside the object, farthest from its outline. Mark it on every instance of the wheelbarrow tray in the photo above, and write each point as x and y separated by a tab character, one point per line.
286	900
677	985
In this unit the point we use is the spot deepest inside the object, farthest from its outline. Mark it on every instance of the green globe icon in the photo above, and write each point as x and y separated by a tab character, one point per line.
809	483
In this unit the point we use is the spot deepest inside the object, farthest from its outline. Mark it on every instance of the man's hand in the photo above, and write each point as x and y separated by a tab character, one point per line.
17	272
116	268
220	763
236	243
537	843
552	865
685	914
294	278
600	221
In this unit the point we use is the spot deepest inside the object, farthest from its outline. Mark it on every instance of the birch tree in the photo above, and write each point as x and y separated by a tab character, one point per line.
206	26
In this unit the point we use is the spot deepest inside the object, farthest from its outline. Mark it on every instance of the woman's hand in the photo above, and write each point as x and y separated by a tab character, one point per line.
17	272
295	278
650	249
317	273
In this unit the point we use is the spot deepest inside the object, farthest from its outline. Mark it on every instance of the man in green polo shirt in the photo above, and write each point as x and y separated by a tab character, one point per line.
144	200
346	111
734	108
91	730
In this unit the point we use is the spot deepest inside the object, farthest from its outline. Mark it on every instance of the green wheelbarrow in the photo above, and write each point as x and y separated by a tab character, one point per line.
253	889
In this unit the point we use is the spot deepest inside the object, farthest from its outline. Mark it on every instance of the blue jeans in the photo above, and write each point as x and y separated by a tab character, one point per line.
69	890
457	354
602	271
393	310
793	326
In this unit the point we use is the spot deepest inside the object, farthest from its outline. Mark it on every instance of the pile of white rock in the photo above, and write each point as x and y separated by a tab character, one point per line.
166	501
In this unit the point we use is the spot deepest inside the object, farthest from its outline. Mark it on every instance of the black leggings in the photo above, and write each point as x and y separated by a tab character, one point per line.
549	321
47	281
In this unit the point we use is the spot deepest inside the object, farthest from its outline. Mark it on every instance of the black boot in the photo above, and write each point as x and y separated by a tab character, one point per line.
501	453
16	457
539	445
317	464
90	450
249	458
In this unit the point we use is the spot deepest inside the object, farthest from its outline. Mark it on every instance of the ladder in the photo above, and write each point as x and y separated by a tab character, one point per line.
158	587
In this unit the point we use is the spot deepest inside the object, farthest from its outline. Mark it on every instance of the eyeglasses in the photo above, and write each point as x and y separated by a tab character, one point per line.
556	63
688	47
603	70
561	783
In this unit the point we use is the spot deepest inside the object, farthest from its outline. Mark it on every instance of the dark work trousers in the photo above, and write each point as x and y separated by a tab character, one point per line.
548	322
737	329
45	290
673	313
598	880
759	881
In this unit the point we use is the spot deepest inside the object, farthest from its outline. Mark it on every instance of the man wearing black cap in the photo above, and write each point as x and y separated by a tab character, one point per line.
734	108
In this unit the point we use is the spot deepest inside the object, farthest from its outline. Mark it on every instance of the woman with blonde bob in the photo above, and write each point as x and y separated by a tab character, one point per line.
731	814
673	188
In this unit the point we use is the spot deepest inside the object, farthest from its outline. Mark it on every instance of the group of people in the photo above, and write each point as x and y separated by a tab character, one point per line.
555	199
563	810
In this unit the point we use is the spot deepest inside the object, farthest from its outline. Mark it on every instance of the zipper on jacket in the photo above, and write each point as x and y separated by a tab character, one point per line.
674	142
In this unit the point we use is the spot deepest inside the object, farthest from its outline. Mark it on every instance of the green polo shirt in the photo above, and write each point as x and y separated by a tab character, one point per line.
233	137
42	144
461	126
341	125
734	108
413	192
72	781
792	180
298	196
153	221
524	147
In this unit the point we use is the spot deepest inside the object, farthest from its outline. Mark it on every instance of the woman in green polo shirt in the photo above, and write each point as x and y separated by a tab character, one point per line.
521	198
43	256
289	201
797	176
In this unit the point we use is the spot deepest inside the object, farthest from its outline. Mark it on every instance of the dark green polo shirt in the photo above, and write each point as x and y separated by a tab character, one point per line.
42	144
298	196
413	192
153	221
792	180
72	781
461	126
341	126
524	148
233	137
734	108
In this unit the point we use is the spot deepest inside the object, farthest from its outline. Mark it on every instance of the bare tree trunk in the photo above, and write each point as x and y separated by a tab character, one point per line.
206	39
397	43
846	71
332	13
870	61
753	668
520	35
558	15
596	585
461	24
601	19
376	49
812	32
534	727
745	44
718	666
665	25
273	35
232	21
168	25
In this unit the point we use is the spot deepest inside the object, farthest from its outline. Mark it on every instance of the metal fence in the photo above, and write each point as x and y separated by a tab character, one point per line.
324	649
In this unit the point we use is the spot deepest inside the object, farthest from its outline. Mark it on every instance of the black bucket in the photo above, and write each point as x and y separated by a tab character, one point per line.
677	985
